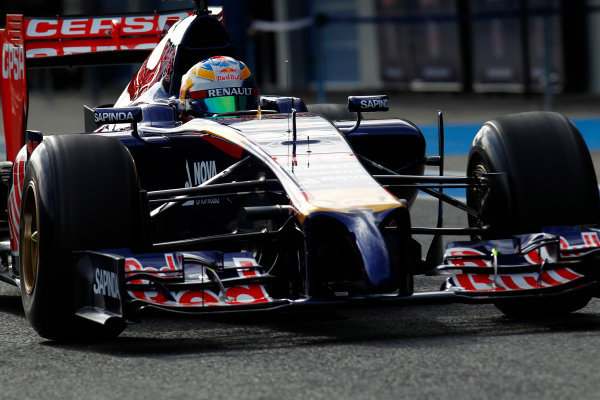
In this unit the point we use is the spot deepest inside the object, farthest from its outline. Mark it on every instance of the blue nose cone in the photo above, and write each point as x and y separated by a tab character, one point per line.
358	239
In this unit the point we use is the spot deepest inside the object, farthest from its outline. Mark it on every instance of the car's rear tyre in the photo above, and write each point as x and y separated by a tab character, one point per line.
80	193
546	178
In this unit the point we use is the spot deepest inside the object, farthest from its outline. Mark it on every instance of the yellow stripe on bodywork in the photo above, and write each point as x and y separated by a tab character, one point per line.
347	201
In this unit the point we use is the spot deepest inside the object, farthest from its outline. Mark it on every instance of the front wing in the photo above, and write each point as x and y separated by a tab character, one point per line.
119	284
553	261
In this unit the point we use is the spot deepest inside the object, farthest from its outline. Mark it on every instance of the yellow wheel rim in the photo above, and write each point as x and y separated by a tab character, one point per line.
29	241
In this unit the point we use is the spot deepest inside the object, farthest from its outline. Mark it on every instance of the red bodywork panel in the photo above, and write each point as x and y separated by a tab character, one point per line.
13	84
59	38
48	37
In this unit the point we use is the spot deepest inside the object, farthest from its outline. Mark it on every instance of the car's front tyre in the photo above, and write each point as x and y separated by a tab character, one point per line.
80	192
544	177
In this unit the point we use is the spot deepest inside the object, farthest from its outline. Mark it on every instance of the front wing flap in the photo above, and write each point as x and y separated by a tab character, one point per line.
552	261
116	283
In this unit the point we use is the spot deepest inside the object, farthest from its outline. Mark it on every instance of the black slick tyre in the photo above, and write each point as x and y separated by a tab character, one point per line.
80	193
545	177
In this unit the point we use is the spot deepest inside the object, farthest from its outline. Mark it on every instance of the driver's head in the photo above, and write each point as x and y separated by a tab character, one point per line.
218	85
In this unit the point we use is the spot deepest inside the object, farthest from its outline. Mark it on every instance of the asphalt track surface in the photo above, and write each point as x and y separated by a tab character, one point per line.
419	352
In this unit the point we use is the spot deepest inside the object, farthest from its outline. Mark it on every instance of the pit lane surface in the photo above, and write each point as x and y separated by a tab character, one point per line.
418	352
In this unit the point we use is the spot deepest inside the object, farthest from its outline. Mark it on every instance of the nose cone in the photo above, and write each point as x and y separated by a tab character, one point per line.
352	247
372	249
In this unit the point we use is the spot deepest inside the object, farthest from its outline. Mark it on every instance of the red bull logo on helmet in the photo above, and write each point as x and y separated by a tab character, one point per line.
228	74
227	71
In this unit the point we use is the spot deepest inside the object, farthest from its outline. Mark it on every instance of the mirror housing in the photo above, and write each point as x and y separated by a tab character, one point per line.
126	115
369	103
361	104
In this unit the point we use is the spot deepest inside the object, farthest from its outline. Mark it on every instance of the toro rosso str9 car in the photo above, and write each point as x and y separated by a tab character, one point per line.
281	205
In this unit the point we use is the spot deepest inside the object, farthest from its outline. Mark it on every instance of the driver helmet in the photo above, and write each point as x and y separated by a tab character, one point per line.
218	85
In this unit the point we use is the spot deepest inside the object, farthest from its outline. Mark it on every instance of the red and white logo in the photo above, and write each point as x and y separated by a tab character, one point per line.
57	37
590	240
469	262
228	74
13	62
71	28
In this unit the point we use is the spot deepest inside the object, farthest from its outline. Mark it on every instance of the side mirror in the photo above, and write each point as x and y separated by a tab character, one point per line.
368	103
361	104
124	115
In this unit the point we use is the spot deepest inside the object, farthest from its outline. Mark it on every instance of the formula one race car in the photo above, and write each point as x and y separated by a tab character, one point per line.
195	195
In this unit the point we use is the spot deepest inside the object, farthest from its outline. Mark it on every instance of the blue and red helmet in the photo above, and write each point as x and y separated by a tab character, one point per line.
218	85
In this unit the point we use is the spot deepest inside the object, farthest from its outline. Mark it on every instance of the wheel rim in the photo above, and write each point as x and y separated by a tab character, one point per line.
475	198
30	241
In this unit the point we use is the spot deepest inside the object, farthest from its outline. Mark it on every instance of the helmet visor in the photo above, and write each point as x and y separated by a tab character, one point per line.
218	105
202	103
